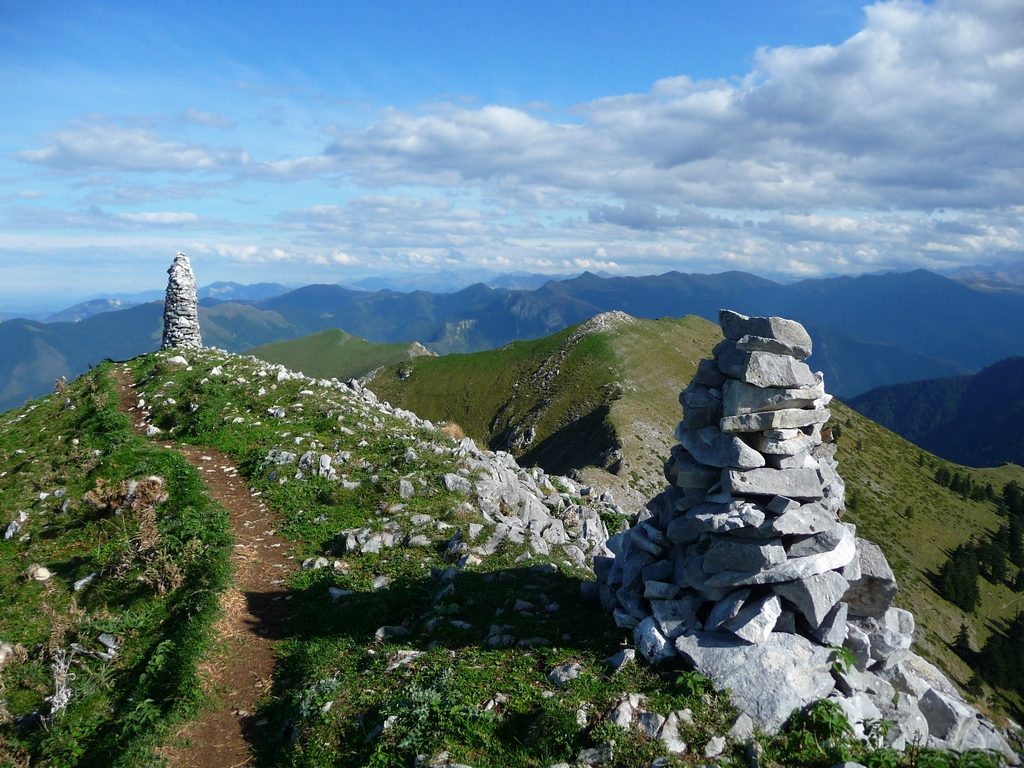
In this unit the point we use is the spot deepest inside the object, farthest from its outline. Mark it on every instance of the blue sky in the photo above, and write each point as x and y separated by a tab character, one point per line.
330	142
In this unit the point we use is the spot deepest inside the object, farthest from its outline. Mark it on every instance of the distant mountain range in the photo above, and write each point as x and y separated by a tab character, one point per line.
219	291
869	331
976	420
992	277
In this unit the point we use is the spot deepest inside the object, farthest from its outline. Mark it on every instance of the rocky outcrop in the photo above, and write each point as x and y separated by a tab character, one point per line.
744	569
181	307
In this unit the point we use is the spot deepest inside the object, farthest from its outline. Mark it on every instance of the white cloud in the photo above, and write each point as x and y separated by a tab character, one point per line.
92	145
159	217
899	147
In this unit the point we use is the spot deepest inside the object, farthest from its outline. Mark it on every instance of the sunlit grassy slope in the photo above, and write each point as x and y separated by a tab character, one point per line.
334	353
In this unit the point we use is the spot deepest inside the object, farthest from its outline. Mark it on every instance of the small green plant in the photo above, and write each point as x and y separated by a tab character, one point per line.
842	659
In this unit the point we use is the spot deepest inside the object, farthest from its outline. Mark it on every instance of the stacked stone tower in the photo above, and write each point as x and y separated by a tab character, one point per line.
181	307
744	569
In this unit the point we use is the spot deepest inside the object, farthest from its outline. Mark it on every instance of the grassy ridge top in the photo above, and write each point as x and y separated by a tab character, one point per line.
153	571
334	353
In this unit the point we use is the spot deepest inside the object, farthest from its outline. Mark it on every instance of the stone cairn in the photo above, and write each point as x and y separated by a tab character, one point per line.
181	307
743	568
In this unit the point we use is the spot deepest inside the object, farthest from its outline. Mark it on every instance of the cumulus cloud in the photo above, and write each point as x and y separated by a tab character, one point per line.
95	145
898	147
920	109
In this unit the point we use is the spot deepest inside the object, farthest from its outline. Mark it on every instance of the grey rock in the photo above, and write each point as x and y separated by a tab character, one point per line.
669	733
7	651
714	747
893	631
726	608
714	518
771	446
742	728
787	332
660	590
728	553
595	756
860	710
406	489
793	568
833	629
85	581
913	675
621	659
873	592
815	544
792	483
804	520
181	307
764	369
948	717
755	621
814	596
711	447
457	483
564	674
674	617
707	374
650	723
789	418
687	473
768	680
651	643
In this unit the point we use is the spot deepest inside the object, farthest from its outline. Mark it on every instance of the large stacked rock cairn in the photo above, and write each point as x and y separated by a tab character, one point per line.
181	307
744	569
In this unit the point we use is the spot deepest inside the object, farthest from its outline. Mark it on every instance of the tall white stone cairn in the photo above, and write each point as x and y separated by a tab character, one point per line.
181	307
744	568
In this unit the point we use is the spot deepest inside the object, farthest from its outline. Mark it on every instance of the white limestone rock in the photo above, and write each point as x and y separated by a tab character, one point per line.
792	483
872	593
788	333
814	596
787	418
768	680
755	621
712	447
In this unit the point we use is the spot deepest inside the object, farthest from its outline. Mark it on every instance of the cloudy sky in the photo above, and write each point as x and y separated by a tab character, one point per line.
328	142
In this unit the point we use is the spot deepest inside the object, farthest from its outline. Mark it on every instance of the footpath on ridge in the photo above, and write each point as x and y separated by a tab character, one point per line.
238	671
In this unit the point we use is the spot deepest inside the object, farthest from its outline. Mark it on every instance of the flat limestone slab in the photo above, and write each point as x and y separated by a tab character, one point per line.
788	418
767	680
792	483
794	568
789	333
711	447
739	397
763	369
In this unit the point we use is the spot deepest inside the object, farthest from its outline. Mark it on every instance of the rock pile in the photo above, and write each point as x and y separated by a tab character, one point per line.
181	307
743	568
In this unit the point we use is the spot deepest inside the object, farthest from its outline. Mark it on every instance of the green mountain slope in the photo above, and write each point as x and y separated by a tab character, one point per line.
976	420
336	354
567	400
619	386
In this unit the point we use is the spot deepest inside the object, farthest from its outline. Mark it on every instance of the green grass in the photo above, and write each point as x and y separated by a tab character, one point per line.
335	354
336	685
118	710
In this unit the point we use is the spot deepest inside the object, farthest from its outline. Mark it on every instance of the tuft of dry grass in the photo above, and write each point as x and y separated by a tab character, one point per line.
453	430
